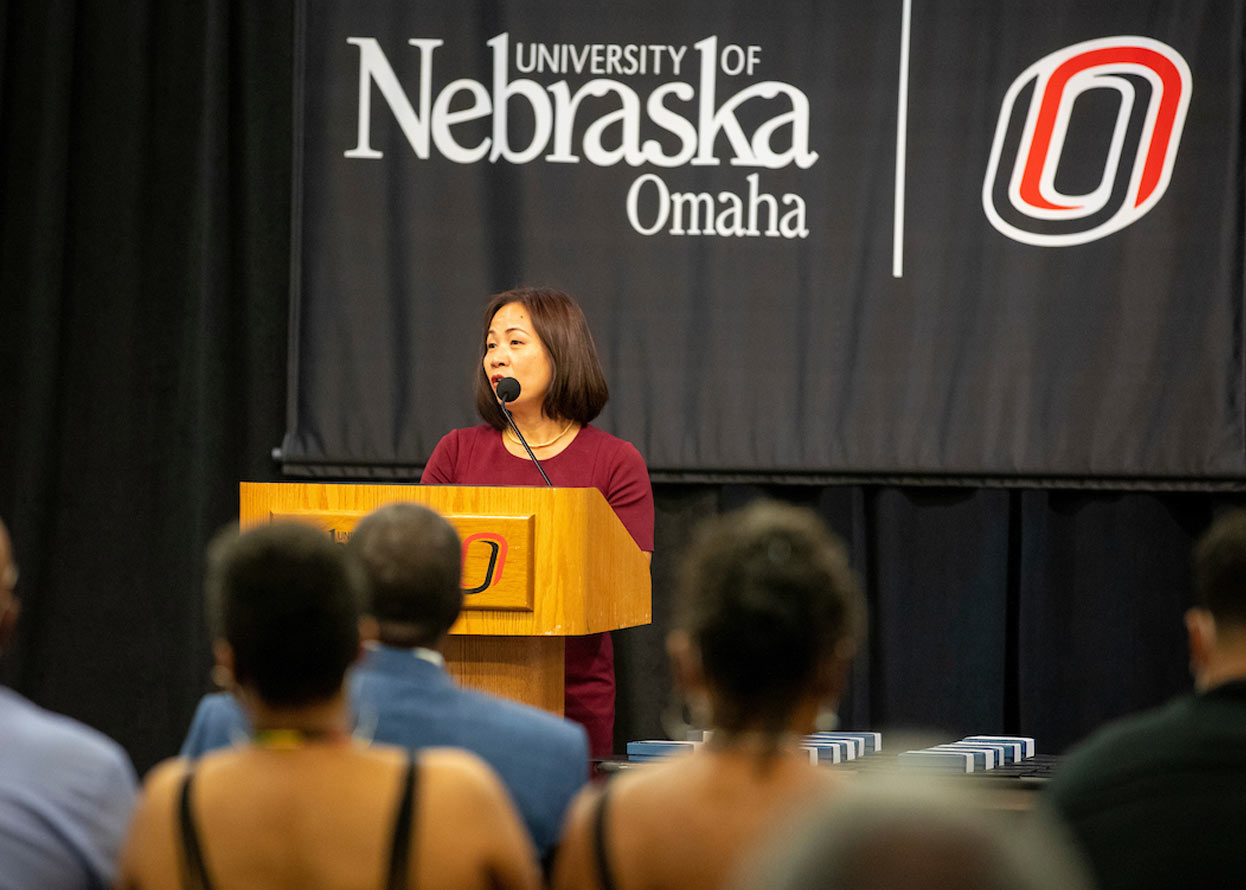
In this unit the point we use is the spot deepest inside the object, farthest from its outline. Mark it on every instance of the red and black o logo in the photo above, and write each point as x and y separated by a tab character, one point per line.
496	545
1086	141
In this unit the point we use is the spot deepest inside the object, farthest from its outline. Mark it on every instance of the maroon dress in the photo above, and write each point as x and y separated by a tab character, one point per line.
476	456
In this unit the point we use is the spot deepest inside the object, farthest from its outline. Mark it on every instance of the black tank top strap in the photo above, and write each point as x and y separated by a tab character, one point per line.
605	876
401	852
194	870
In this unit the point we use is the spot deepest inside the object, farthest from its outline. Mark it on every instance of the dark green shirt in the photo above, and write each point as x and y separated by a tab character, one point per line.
1159	799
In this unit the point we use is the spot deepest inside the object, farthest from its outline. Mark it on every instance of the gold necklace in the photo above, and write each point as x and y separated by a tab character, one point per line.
290	739
515	439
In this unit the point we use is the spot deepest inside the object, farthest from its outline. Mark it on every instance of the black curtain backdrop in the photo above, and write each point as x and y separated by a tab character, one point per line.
144	242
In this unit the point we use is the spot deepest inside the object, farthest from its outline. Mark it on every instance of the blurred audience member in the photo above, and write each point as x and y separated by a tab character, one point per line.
400	691
66	791
907	832
769	618
1159	799
302	804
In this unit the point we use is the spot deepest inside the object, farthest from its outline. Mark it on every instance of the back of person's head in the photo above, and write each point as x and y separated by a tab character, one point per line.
286	599
1220	569
768	601
903	832
412	558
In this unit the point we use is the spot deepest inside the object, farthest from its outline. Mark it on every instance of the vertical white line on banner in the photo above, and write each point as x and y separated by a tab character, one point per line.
902	111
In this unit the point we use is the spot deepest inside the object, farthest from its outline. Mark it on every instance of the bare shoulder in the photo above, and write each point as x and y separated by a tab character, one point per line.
160	788
637	789
147	858
476	818
629	798
655	780
695	787
454	761
581	808
574	866
166	777
381	753
466	771
822	785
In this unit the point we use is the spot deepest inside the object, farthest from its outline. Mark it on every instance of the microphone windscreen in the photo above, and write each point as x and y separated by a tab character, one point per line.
508	389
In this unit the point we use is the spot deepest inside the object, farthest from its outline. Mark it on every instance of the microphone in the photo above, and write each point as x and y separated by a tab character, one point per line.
507	391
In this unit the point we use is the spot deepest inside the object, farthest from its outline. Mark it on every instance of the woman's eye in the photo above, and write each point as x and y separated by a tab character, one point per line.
516	343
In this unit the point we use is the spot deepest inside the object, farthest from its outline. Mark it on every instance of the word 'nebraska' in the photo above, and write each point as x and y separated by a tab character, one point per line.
553	111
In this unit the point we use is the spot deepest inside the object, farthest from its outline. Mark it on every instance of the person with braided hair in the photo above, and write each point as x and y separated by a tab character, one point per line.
767	623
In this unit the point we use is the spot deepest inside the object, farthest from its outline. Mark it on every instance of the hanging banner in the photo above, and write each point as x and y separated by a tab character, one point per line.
957	239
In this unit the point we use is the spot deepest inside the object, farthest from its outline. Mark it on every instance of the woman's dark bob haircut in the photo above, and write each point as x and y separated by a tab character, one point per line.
577	388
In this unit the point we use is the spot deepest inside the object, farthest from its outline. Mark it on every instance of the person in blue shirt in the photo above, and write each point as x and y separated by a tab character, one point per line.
400	692
66	790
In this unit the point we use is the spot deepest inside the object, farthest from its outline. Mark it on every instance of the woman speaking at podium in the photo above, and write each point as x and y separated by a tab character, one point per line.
540	339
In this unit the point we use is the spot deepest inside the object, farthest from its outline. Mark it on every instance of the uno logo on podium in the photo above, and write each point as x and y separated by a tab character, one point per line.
497	562
497	552
1122	141
496	547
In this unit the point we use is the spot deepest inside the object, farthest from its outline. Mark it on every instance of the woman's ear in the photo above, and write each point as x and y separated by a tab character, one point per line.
369	632
10	611
223	669
832	677
685	660
1200	628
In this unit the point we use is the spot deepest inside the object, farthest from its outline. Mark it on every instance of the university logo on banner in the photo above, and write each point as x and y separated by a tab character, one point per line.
688	110
1143	84
729	194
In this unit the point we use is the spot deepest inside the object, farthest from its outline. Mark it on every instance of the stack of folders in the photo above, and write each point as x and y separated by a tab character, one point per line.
971	754
839	747
655	749
822	747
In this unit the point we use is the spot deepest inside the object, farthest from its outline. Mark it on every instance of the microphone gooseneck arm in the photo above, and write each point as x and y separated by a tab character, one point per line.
507	391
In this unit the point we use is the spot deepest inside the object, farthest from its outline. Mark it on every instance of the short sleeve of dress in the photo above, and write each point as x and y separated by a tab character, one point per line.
630	493
440	469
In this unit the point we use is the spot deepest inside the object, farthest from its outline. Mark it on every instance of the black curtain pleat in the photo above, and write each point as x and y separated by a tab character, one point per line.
145	250
1104	582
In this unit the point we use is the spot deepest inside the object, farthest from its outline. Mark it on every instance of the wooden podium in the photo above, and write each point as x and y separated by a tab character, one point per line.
539	564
